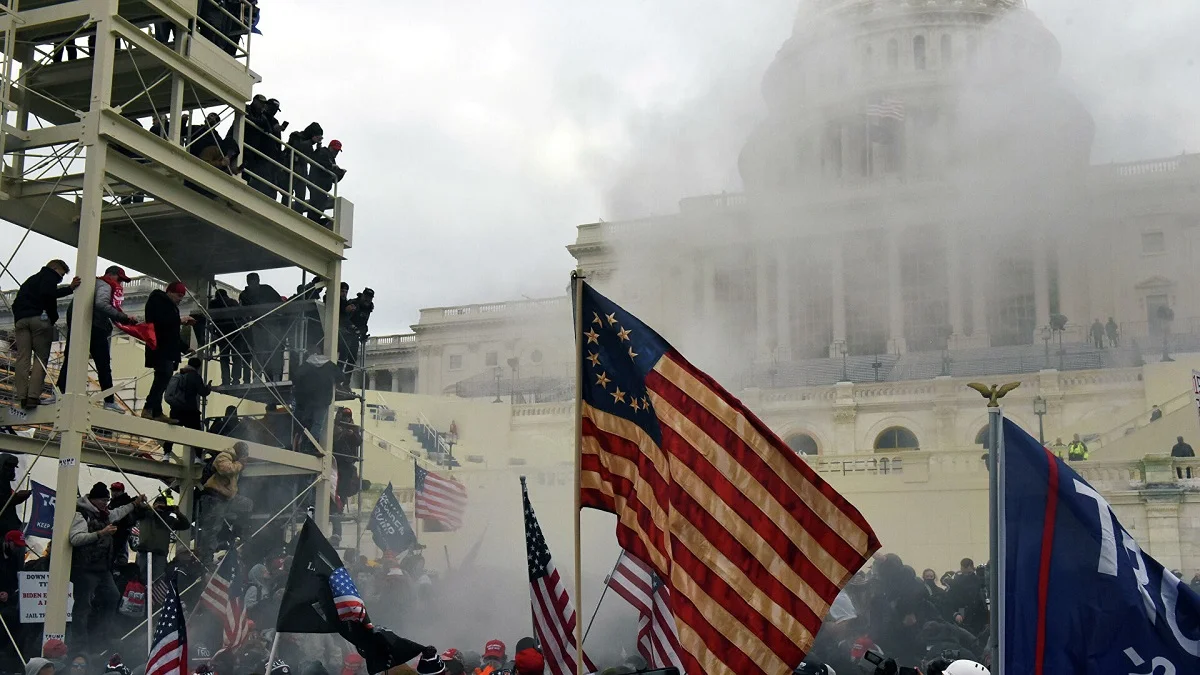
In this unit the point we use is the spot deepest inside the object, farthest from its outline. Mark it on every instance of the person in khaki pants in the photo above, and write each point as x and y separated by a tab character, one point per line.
35	311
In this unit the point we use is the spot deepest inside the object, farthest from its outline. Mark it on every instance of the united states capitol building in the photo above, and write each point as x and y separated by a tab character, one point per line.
919	212
918	204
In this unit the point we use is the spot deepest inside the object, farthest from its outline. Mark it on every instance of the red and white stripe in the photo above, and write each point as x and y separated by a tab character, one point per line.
888	108
554	620
658	640
443	500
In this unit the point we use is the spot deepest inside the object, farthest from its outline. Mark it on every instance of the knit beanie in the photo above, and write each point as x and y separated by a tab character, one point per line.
98	491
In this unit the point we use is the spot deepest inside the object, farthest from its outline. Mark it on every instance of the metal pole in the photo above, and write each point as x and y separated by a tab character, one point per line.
577	288
602	594
73	408
149	602
995	449
274	650
1041	430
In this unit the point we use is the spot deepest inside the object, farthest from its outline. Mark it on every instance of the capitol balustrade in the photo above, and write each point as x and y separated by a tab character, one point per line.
491	310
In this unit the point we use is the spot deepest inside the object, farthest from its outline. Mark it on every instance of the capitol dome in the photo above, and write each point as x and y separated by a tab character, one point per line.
904	89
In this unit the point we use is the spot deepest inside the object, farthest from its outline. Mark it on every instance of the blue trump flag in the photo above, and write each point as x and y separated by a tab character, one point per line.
41	511
1081	596
389	526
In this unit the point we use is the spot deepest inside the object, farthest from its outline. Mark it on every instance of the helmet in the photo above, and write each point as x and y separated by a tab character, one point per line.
965	667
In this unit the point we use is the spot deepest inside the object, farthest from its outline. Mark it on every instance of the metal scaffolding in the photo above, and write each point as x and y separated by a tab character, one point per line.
79	167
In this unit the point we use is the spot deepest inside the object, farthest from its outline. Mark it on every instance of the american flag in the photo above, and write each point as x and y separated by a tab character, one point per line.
658	640
159	591
168	655
349	605
553	615
225	595
441	499
888	108
756	545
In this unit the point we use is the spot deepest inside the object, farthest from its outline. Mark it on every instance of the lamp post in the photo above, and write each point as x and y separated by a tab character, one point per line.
840	346
497	386
515	364
1039	409
1047	333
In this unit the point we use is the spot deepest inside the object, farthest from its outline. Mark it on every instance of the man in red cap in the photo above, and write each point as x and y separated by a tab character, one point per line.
323	173
162	310
106	310
494	657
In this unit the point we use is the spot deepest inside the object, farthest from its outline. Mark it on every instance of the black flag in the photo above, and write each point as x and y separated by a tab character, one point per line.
389	526
308	607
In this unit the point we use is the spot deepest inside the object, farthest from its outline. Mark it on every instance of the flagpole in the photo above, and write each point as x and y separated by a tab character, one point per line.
995	514
416	518
998	563
602	594
274	650
577	278
150	603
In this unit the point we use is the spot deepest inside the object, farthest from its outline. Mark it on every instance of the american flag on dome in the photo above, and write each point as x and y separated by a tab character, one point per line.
658	640
553	614
440	499
349	605
225	596
168	653
757	545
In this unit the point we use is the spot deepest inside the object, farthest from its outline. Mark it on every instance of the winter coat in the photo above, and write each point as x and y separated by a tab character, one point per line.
36	664
313	383
91	551
40	293
9	520
103	311
124	528
261	294
325	171
10	567
224	480
194	388
164	314
154	535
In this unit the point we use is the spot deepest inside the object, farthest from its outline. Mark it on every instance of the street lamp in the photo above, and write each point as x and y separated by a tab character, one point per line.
840	346
1047	334
1039	409
515	364
497	386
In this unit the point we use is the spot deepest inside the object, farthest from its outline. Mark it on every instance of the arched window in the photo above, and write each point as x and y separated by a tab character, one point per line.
981	438
867	57
919	52
802	444
896	438
893	54
947	51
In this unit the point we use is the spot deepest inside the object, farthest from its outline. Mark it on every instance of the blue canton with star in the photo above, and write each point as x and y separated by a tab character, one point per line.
618	352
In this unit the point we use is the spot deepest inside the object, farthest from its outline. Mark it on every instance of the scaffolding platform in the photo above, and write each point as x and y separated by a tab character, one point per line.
81	166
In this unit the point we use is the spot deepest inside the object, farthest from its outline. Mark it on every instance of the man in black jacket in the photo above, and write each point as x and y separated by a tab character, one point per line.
262	139
162	310
231	342
9	520
323	173
266	336
302	146
312	390
35	311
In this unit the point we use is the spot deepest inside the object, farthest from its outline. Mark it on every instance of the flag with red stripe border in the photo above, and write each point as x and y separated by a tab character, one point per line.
757	545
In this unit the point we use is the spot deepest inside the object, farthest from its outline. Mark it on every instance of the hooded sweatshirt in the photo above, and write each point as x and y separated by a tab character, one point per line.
93	552
36	664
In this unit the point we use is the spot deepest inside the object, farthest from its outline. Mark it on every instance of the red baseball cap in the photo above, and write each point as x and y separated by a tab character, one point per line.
177	287
335	145
493	649
117	486
118	272
54	649
15	537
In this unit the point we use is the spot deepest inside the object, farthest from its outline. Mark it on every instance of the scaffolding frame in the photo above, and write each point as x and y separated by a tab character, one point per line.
200	221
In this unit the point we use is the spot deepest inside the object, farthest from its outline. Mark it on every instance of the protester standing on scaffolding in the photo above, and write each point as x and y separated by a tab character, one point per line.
266	336
302	145
106	309
162	310
35	311
323	173
231	343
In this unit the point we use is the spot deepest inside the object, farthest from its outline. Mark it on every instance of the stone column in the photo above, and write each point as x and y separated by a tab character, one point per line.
762	297
896	344
1041	282
1162	522
845	413
837	264
371	380
396	380
783	305
954	280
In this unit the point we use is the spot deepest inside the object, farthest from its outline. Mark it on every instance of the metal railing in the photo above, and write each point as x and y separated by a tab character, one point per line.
1180	400
289	153
228	37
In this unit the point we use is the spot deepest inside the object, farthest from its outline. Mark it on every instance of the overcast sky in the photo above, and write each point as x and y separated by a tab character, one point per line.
477	134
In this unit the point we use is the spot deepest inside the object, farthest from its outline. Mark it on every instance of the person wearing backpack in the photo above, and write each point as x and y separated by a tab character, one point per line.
184	393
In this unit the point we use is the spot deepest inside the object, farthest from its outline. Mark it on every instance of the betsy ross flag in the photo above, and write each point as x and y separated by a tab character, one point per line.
658	640
225	595
553	615
440	499
168	654
752	544
1080	594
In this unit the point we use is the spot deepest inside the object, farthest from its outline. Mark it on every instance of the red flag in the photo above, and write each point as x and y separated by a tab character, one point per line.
752	544
142	332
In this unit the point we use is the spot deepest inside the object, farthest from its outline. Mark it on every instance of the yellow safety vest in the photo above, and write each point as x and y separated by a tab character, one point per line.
1077	451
